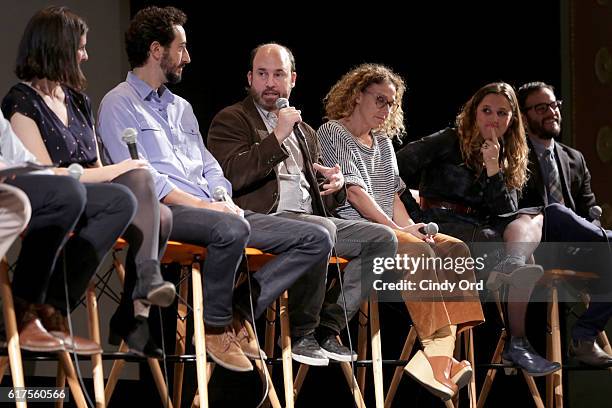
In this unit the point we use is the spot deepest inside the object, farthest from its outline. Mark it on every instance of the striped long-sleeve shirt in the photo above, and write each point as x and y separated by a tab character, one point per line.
372	168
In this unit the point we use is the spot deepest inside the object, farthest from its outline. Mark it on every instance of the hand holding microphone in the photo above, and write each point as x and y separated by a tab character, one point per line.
288	119
595	213
129	137
220	195
423	231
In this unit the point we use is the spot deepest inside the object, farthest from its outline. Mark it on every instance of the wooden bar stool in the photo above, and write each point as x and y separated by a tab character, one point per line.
255	260
14	351
12	335
189	256
464	338
497	359
553	278
303	369
118	364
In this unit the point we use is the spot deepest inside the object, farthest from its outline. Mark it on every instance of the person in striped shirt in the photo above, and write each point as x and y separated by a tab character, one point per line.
364	111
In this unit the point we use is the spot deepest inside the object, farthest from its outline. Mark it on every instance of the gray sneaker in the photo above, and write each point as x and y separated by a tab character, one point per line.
336	351
306	350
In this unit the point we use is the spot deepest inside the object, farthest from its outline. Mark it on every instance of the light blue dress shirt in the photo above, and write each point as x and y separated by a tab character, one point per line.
168	137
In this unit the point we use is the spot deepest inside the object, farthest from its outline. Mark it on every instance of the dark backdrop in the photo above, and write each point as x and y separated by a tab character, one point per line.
444	53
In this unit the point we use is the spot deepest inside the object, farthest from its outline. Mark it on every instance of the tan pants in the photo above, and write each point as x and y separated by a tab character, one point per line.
14	215
432	310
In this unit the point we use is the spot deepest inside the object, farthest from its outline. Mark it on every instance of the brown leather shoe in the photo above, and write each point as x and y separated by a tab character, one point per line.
32	334
223	349
433	373
461	373
588	352
53	320
247	344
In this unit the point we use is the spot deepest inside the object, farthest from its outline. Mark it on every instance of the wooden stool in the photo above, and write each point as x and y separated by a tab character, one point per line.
553	277
256	259
118	365
303	369
468	348
554	382
496	359
14	351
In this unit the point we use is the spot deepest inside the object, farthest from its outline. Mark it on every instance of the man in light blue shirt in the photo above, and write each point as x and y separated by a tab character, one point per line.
186	175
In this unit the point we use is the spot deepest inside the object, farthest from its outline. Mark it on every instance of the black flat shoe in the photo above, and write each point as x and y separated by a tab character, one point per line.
518	352
135	333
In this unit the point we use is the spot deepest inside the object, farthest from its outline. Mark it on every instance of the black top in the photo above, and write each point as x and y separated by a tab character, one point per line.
75	143
444	176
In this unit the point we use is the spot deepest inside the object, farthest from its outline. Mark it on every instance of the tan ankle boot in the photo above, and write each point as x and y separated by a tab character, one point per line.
461	373
433	373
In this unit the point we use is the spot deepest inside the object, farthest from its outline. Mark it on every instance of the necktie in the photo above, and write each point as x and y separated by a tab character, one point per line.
553	188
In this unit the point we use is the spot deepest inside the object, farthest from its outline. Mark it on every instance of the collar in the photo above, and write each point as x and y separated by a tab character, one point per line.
147	93
539	147
265	113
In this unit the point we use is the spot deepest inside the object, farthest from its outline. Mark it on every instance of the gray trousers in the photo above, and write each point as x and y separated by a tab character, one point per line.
300	248
15	214
358	241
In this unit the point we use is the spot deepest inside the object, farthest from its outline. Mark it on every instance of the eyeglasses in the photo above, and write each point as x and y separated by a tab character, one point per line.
543	107
381	101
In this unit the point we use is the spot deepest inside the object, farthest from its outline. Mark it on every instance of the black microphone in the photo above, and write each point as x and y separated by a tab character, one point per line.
284	103
129	137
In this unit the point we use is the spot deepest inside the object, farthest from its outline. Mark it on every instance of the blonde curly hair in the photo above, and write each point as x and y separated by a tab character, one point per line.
341	100
514	161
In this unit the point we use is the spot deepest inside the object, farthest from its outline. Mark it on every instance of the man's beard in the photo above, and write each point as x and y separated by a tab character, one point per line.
260	101
538	129
168	69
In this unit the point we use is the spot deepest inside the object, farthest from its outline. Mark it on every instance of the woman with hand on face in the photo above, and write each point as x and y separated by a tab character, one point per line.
52	116
470	176
364	112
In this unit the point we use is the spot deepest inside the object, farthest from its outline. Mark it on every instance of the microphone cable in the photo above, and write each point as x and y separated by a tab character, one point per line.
71	333
299	134
263	362
220	194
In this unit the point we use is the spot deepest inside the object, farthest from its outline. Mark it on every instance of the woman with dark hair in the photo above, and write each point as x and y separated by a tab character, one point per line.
470	177
53	118
364	111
